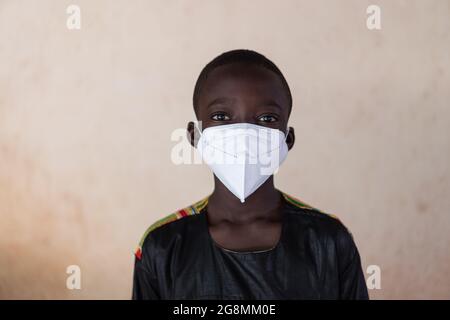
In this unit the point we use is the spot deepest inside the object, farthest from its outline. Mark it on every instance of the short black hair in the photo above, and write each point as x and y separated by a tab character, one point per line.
245	56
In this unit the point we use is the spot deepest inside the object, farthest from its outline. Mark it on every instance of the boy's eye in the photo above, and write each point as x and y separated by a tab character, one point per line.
267	118
220	117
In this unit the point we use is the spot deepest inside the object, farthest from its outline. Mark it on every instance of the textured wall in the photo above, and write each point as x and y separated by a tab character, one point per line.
86	118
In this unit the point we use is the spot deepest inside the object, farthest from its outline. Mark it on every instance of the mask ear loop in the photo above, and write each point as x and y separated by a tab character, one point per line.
197	132
197	126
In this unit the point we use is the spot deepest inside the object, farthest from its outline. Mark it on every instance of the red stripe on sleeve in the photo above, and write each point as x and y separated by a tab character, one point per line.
183	213
138	253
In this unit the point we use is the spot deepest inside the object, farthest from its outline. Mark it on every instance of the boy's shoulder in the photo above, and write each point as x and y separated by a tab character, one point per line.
303	209
178	215
327	224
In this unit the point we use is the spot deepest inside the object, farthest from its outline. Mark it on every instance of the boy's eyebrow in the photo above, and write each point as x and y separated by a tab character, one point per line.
218	101
225	100
270	102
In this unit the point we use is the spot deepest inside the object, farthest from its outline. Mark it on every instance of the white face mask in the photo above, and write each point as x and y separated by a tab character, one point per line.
242	155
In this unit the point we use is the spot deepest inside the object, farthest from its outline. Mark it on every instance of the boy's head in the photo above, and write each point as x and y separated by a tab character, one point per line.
242	86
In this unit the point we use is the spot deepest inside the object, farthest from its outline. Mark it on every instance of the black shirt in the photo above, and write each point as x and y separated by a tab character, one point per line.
315	258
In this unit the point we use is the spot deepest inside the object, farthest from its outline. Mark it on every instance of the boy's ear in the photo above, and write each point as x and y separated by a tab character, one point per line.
192	134
290	139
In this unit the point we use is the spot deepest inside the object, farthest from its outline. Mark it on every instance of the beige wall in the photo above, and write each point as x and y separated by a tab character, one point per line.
86	118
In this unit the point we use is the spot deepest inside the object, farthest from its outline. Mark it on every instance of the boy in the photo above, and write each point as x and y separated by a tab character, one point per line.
247	239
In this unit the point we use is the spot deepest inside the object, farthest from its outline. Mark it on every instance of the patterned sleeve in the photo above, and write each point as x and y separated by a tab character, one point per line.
145	284
351	277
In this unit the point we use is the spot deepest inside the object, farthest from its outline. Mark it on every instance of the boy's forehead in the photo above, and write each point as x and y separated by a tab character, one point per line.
243	81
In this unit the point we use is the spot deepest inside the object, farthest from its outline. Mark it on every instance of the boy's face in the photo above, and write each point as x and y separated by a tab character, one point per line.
240	93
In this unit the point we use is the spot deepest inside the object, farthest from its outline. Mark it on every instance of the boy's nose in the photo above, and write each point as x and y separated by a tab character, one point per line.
245	120
245	112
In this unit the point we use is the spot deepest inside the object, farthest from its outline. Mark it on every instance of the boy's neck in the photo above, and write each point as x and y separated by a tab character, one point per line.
264	203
